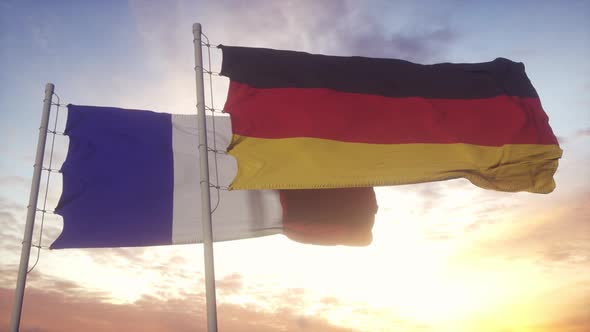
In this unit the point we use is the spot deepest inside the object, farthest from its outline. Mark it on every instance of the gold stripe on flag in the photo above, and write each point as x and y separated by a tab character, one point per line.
306	163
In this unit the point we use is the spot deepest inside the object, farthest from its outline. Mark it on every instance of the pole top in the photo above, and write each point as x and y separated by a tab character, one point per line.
197	27
49	86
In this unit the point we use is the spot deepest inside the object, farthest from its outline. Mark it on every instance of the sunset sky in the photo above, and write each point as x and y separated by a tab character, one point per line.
446	256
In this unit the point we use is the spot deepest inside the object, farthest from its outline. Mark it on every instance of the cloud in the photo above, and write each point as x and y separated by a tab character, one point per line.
118	256
557	232
583	132
571	306
11	220
430	193
448	210
547	237
230	284
414	46
332	27
562	139
14	181
580	133
64	306
335	27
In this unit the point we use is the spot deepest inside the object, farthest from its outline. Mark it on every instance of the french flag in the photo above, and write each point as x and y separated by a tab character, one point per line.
132	178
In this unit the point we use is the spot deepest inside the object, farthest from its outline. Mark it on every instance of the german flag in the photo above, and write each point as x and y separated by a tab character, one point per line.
303	121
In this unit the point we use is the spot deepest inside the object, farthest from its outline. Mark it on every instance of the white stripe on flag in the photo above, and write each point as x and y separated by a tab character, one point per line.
239	214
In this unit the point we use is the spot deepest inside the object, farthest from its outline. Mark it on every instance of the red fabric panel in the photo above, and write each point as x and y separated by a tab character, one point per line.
329	216
350	117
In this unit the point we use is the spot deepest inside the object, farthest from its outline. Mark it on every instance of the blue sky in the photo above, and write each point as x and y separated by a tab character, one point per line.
495	257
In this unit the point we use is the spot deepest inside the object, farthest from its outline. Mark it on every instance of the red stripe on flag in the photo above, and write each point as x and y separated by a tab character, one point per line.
350	117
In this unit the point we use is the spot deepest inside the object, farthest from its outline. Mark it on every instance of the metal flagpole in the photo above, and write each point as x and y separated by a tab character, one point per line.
205	194
31	212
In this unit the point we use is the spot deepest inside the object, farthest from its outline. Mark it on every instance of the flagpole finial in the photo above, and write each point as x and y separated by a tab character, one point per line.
197	27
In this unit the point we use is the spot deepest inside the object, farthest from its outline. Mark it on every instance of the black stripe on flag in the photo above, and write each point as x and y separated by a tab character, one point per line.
268	68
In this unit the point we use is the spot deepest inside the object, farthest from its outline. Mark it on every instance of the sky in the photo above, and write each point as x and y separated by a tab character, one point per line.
445	256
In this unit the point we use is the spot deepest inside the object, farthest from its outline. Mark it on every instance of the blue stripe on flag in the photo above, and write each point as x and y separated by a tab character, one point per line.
118	179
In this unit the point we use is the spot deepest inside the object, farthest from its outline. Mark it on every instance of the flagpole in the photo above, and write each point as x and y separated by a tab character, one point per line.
205	193
31	212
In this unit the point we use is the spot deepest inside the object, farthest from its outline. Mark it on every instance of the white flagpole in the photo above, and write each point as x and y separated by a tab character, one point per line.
205	194
31	212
